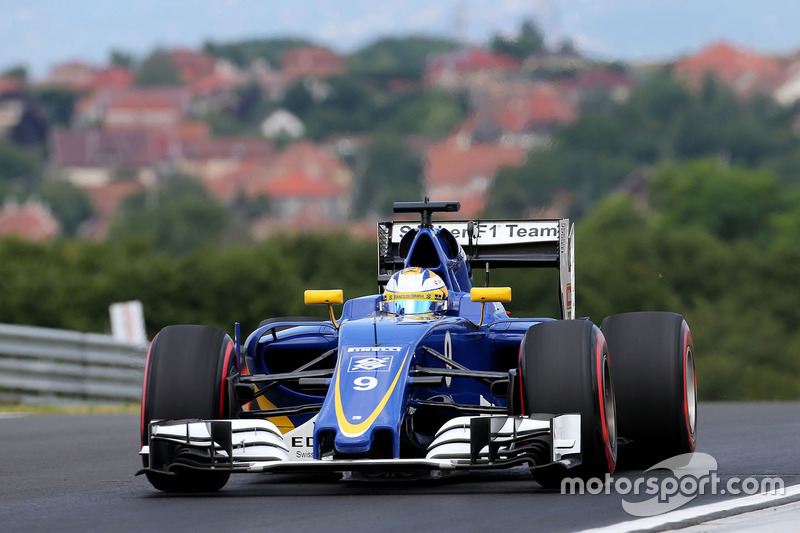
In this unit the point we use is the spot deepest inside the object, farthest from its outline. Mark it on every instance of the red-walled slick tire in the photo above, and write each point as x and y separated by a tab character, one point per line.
564	368
652	358
186	377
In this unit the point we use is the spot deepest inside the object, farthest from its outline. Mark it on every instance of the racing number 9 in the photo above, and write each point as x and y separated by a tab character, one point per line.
365	383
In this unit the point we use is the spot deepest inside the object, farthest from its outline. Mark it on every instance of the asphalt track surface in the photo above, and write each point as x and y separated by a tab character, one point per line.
76	473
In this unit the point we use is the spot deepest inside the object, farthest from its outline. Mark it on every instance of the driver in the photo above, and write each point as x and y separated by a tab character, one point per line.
415	291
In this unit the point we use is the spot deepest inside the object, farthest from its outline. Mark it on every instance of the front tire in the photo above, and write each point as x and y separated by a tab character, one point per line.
564	367
652	358
186	377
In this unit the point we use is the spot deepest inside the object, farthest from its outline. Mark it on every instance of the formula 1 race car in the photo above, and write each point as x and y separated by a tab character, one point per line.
427	378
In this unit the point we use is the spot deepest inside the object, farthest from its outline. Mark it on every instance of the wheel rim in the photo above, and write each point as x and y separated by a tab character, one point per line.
691	391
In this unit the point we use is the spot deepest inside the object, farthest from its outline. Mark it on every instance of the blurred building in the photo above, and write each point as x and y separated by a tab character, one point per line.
79	76
282	124
460	169
94	157
748	73
464	69
310	62
33	221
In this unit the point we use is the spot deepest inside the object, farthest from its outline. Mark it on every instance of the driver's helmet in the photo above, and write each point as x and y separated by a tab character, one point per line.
415	291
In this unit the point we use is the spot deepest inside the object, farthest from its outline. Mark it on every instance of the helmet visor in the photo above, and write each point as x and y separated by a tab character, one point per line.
413	307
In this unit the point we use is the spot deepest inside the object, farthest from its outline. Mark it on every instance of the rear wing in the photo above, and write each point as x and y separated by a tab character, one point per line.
546	243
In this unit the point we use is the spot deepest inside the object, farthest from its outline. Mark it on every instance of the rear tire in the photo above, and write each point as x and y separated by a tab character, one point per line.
186	377
652	358
564	369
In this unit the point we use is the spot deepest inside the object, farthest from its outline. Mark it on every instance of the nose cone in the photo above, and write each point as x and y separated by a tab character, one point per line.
366	404
364	408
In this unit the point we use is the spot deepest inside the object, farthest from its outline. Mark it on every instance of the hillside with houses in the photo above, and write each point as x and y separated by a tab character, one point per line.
287	136
218	183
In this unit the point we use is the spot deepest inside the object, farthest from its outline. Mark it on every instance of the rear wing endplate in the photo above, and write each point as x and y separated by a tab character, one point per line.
545	243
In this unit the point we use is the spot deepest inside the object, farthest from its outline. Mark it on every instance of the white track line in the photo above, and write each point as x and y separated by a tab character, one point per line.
13	415
690	516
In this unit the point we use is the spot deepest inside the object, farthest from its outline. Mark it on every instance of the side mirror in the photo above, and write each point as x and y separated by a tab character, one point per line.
325	297
328	297
489	294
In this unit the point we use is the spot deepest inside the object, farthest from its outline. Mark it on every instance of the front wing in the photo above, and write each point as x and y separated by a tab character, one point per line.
463	443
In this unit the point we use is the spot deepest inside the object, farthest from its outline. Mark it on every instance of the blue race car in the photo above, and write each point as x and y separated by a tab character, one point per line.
429	377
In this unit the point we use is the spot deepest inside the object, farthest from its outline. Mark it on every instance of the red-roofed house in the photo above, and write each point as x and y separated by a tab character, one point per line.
191	64
465	172
307	187
189	131
310	62
80	76
73	74
94	157
590	84
463	68
213	84
213	158
747	72
314	160
303	181
133	108
242	178
299	185
528	120
522	114
146	108
298	195
543	106
111	78
300	202
31	221
217	90
788	90
9	85
89	110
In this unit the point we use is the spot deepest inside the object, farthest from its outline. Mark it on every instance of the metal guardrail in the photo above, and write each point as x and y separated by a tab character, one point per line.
40	365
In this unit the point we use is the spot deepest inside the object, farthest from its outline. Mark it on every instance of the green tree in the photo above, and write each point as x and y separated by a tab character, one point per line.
19	167
70	204
58	103
586	175
157	69
243	53
120	58
431	114
731	202
528	41
385	170
70	284
662	120
392	57
178	217
298	99
349	107
20	72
